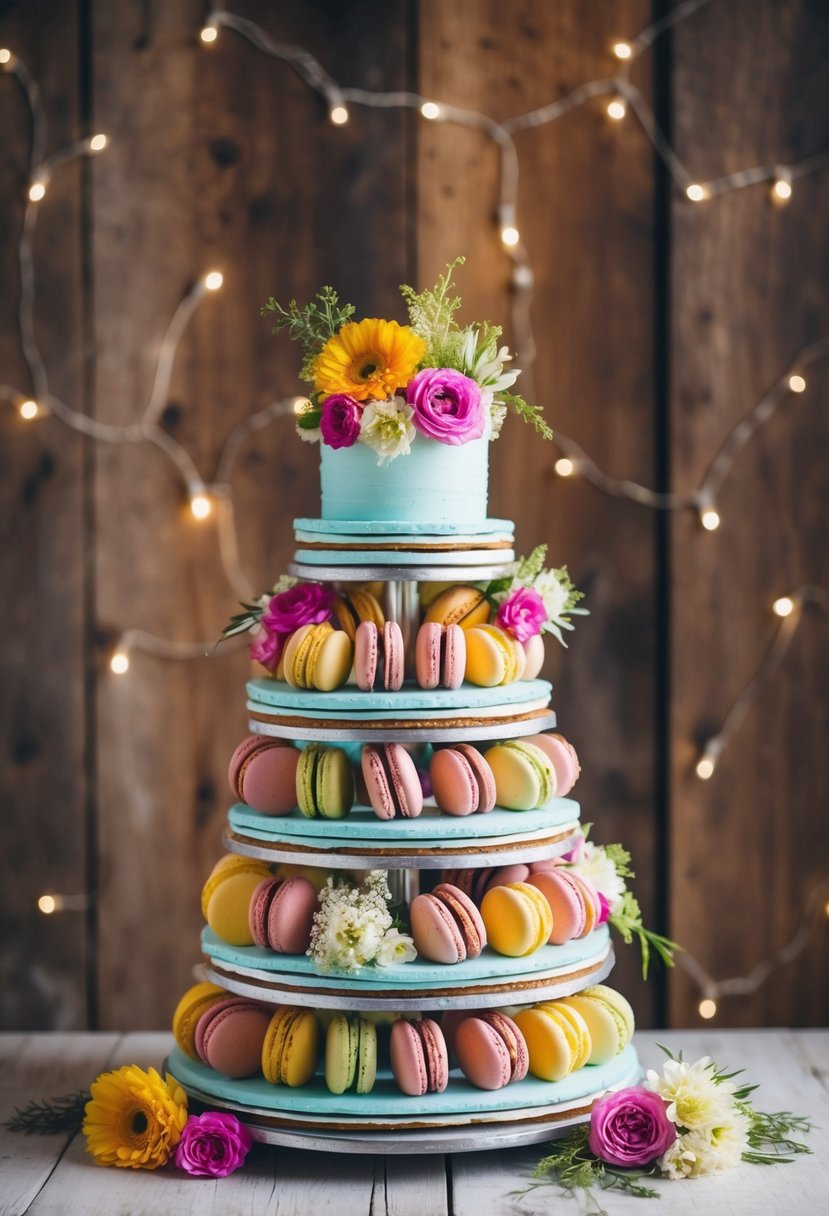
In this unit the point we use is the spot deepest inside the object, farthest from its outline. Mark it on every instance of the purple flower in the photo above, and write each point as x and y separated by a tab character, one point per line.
340	421
630	1127
522	614
604	915
213	1145
447	406
266	648
304	604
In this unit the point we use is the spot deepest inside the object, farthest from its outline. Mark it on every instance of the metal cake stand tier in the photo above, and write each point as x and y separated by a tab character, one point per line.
378	572
276	726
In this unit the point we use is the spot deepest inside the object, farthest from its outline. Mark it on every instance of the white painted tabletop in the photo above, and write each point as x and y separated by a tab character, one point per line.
53	1175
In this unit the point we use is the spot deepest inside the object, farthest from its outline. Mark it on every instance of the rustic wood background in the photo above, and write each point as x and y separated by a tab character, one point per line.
659	325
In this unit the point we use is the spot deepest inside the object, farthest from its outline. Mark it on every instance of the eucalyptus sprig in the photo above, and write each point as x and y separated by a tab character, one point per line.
52	1117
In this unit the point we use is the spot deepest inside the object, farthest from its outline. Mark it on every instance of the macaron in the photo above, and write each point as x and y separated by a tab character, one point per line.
324	782
290	1049
225	897
391	779
355	605
567	899
192	1005
229	1036
557	1040
608	1017
491	1050
524	775
473	882
379	656
533	656
562	756
462	781
262	773
350	1054
419	1059
493	656
281	914
318	656
446	925
502	875
440	655
459	605
518	919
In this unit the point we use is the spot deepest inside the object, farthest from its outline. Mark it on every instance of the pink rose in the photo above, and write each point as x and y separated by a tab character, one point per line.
604	915
340	421
266	648
578	851
522	614
447	406
630	1127
304	604
213	1145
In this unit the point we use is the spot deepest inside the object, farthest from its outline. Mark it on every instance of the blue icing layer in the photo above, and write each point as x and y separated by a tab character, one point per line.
386	1100
368	557
402	527
277	694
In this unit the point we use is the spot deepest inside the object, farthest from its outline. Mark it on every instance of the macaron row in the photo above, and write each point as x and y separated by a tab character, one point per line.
276	778
241	1038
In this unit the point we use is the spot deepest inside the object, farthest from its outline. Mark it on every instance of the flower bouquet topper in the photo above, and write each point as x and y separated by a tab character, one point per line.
382	384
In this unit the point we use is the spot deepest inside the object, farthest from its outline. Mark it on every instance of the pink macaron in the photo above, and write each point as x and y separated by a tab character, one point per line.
419	1059
229	1036
262	773
440	655
491	1050
563	758
378	656
391	779
501	875
446	925
281	914
567	901
462	781
473	883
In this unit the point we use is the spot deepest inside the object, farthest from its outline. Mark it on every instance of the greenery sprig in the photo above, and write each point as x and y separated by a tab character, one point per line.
58	1115
242	621
312	325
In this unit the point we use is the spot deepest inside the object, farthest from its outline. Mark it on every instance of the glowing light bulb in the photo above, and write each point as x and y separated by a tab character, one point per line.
616	109
201	506
37	190
119	664
781	190
564	467
209	34
5	57
98	142
696	193
826	908
510	235
705	768
28	410
47	904
797	384
214	280
430	110
784	606
300	405
710	519
622	50
707	1008
339	115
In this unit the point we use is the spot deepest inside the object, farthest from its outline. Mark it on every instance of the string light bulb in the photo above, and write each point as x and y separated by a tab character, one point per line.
510	236
783	606
28	409
37	191
797	384
209	34
47	904
213	280
705	768
696	193
430	110
338	115
200	505
5	57
622	50
564	467
300	405
616	109
707	1008
781	191
710	519
98	142
119	664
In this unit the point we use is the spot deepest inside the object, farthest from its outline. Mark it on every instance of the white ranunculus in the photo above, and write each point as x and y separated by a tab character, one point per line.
387	429
695	1100
396	947
555	596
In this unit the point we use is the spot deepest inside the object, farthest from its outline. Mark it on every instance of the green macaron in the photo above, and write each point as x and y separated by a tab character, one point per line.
524	775
324	782
609	1019
350	1054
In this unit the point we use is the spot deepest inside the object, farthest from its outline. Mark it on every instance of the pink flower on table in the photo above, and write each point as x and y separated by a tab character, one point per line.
447	406
630	1128
303	604
213	1145
522	614
266	648
340	421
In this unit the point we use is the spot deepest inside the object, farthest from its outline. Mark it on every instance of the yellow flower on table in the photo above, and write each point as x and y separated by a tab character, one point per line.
134	1119
369	360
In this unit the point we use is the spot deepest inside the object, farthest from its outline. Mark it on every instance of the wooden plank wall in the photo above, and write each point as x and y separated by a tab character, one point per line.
224	158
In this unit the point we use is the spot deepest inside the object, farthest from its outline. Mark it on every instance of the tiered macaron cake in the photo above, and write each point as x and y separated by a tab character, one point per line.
397	957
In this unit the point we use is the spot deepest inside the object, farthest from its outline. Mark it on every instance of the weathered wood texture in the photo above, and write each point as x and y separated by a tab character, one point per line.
222	157
749	290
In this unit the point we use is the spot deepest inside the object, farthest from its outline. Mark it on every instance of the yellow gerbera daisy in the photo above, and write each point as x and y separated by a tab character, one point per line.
134	1118
368	359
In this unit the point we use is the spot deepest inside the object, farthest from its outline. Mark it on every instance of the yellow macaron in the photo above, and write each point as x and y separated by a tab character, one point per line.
226	897
493	657
317	656
556	1041
459	605
291	1049
188	1011
581	1042
355	605
609	1019
518	919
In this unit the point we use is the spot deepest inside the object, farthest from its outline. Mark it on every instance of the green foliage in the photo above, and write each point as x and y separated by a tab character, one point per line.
60	1115
432	317
530	567
530	413
620	857
628	923
573	1167
242	621
770	1135
312	325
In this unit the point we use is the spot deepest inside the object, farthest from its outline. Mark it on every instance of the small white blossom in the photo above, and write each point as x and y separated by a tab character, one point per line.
695	1099
353	927
309	434
396	947
387	428
705	1151
593	862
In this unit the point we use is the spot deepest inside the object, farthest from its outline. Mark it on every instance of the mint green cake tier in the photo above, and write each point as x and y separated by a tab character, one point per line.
386	1109
435	484
395	529
491	980
432	841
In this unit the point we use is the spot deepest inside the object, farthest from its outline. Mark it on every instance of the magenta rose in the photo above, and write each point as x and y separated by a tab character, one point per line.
604	915
266	648
447	406
213	1145
340	421
630	1128
522	614
304	604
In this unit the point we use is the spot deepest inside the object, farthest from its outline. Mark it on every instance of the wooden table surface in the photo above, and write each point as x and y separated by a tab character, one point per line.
53	1175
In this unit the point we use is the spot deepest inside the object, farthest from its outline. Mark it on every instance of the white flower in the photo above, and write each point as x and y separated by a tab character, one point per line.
596	866
353	926
679	1160
486	365
309	434
554	594
283	583
387	428
695	1100
705	1151
396	947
